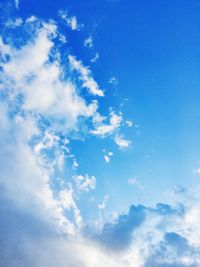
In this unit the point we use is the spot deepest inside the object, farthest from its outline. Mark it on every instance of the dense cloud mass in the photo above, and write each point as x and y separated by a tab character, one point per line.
161	236
44	102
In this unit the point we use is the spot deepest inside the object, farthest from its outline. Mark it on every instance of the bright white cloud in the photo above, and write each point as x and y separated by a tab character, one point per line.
85	75
102	128
34	149
27	183
40	82
66	200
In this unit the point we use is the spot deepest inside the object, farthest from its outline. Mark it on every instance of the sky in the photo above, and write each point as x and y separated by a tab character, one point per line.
99	133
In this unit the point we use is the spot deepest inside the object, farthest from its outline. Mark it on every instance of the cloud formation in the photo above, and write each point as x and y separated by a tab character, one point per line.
163	236
42	106
71	21
85	76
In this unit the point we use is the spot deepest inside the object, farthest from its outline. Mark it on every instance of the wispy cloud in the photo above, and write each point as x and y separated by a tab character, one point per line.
113	80
102	128
85	76
71	21
122	142
17	4
88	42
107	155
85	182
95	58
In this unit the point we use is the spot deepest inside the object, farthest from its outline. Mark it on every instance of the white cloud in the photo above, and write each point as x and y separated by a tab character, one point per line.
27	183
88	42
196	171
17	4
40	82
62	38
75	164
161	236
85	183
113	80
107	155
66	200
47	142
95	58
85	76
121	142
31	19
98	118
14	23
71	21
102	205
5	49
107	158
129	123
102	129
45	105
39	111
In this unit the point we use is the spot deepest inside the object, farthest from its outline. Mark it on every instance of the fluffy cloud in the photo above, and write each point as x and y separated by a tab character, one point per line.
163	236
110	126
38	110
40	107
39	80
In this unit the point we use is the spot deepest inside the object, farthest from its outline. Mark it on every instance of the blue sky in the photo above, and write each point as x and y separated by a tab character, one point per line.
99	130
152	49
